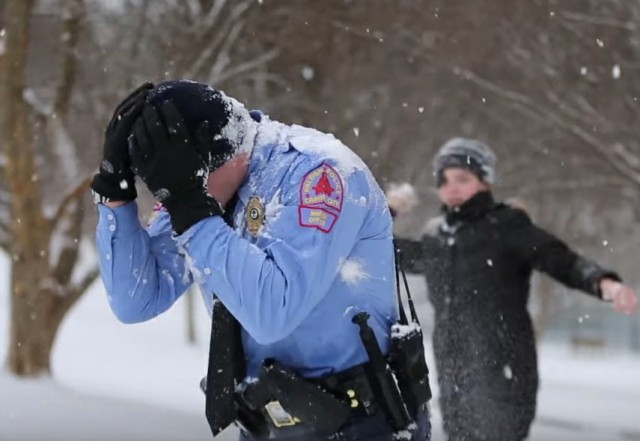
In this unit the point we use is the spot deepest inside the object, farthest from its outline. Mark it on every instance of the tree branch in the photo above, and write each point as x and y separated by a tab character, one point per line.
564	184
212	17
71	27
68	242
612	156
76	291
223	57
600	21
137	41
246	66
73	195
211	51
88	279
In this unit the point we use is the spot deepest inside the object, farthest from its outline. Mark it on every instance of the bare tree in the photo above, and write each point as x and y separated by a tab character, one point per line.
44	247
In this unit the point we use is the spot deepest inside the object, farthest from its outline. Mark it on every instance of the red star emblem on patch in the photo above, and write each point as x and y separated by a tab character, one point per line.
323	186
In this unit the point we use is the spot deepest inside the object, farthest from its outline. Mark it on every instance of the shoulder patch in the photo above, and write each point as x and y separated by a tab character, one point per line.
321	198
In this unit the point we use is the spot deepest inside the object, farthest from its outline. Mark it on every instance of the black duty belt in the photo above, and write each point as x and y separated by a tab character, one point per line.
338	399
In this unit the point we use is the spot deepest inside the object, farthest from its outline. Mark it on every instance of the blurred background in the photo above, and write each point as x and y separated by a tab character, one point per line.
551	85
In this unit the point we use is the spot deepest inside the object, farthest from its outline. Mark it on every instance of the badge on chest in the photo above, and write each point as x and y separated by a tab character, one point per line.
255	215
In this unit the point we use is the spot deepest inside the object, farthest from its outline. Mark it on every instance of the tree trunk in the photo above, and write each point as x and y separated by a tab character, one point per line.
30	343
36	316
44	249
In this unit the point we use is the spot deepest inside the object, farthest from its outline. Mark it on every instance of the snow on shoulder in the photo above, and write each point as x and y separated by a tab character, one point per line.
326	146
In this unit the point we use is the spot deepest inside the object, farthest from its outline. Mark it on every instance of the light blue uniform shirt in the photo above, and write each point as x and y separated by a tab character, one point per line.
311	246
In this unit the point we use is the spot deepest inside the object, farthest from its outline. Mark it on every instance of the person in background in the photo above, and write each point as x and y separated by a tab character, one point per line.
289	237
478	258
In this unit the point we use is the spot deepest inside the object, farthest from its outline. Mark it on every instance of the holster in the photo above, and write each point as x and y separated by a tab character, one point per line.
278	387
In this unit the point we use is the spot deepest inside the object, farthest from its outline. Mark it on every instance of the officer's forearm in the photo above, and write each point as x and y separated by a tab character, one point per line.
141	282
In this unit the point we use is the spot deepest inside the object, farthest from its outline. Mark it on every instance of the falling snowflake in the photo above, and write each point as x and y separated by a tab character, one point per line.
307	73
615	71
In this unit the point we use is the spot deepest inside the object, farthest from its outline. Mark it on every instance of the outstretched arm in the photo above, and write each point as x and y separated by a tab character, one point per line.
546	253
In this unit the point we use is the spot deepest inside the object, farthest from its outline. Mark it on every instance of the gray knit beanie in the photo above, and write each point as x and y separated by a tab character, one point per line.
469	154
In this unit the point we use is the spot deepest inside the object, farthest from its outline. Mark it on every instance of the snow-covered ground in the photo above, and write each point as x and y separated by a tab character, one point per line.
140	382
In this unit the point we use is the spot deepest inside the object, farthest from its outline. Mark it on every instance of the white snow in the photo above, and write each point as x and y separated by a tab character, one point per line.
304	139
399	331
352	271
326	145
507	372
401	197
141	382
307	72
404	434
241	129
615	71
273	209
46	410
190	268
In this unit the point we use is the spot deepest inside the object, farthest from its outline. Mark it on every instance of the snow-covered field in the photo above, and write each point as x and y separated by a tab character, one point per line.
140	382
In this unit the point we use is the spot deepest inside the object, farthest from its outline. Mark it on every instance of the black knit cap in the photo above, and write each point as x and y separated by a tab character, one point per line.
197	103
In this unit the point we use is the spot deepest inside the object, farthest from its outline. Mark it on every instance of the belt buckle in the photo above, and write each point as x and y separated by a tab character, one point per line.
279	416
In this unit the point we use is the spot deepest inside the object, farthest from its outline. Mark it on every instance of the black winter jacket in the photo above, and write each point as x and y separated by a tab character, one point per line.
478	264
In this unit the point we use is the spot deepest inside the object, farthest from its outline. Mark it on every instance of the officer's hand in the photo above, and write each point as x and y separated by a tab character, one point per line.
115	180
171	163
623	298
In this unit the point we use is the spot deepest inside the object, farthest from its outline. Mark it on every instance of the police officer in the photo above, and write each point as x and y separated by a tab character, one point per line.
284	225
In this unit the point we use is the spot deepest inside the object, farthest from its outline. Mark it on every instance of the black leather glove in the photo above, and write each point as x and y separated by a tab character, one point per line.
115	181
172	164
